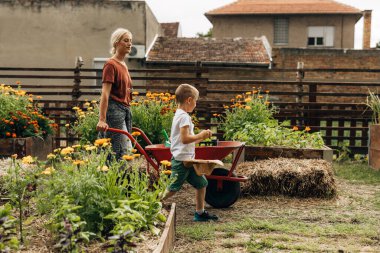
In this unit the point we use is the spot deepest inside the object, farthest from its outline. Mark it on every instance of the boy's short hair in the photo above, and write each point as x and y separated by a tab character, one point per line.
184	91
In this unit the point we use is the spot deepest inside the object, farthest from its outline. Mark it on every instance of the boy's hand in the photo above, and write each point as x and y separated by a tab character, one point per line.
206	134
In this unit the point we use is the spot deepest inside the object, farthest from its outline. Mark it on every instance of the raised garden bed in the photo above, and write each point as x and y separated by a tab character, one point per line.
252	153
168	235
33	146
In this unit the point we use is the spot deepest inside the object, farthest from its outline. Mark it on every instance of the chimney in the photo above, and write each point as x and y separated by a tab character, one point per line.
367	14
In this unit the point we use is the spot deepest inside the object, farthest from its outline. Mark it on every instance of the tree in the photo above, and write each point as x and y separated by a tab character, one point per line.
205	35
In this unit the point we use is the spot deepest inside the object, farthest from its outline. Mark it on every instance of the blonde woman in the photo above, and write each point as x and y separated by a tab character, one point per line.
116	95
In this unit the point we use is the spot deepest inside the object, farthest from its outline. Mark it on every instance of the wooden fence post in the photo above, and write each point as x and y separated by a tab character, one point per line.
299	97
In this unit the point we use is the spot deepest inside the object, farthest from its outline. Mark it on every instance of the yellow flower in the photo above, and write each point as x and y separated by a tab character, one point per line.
48	171
76	108
133	150
248	107
51	156
77	146
91	148
87	104
226	107
67	125
136	155
248	100
57	150
307	129
239	96
248	93
27	160
134	103
104	168
128	157
67	150
100	142
93	101
166	163
295	128
167	172
135	93
78	162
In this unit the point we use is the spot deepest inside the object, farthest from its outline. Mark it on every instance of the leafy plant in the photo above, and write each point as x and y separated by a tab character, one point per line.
85	124
373	102
20	117
250	119
20	182
69	226
8	236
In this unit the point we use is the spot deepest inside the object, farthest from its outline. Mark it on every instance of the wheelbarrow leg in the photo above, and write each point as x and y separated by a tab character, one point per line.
222	193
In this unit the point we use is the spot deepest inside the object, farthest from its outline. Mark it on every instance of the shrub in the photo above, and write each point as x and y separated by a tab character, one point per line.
20	117
373	102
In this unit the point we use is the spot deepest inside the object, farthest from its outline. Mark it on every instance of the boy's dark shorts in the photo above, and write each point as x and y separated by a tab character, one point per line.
183	174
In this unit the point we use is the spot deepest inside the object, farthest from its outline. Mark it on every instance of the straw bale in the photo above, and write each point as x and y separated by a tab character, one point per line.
285	176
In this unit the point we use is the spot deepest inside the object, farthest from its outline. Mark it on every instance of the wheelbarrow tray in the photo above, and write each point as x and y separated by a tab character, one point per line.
219	152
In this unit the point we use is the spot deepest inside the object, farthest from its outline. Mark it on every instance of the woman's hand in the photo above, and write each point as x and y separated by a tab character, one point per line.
206	134
102	126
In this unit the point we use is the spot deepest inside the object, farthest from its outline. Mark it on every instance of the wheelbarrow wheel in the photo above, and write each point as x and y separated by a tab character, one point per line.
224	197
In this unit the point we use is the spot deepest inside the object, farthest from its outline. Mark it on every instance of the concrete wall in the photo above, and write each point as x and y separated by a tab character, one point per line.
255	26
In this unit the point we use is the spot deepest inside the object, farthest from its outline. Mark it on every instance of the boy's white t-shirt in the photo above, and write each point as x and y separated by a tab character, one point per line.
180	151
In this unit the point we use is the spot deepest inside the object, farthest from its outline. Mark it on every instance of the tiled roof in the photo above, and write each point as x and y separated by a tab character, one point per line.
170	29
234	51
261	7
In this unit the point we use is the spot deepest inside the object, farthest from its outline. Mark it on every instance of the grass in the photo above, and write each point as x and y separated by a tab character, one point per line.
281	224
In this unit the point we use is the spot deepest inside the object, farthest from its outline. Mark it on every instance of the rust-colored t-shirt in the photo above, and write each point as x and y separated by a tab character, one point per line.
116	73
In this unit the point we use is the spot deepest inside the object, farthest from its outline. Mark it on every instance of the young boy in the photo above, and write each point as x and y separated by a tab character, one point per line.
182	147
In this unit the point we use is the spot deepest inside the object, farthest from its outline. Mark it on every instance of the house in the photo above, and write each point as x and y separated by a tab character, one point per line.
290	23
50	33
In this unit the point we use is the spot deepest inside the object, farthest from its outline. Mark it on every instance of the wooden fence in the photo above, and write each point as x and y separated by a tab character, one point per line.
340	122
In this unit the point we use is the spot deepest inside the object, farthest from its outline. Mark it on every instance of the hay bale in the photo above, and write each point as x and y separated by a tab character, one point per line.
291	177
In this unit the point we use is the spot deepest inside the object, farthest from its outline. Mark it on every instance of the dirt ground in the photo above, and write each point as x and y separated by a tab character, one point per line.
333	225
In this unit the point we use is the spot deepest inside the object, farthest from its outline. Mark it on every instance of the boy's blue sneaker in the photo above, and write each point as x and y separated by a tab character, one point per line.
205	216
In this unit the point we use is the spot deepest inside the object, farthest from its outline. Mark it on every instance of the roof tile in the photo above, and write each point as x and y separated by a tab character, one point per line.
238	50
260	7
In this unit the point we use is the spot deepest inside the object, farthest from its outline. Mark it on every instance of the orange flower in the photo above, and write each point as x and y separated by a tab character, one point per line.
14	135
167	172
295	128
128	157
307	129
7	134
135	133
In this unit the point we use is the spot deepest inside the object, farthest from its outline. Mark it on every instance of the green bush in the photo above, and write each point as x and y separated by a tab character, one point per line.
250	119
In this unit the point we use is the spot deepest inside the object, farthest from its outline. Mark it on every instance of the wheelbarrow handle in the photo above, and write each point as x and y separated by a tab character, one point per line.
137	145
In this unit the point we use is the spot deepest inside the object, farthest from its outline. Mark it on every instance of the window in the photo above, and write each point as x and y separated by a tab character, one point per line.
281	31
322	36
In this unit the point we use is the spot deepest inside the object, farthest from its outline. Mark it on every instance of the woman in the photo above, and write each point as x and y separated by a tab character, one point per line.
114	109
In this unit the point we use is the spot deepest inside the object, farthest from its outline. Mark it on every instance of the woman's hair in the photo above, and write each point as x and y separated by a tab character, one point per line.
116	37
184	91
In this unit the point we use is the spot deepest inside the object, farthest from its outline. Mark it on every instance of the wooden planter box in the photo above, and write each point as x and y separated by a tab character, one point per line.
252	153
33	146
374	147
168	235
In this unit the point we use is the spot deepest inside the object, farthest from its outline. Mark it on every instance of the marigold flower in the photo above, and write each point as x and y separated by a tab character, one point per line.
27	160
7	134
51	156
135	93
14	135
295	128
104	168
127	157
167	172
14	156
166	163
100	142
135	133
248	93
136	155
77	146
87	104
78	162
248	100
48	171
226	107
307	129
67	125
67	150
91	148
248	107
239	96
133	150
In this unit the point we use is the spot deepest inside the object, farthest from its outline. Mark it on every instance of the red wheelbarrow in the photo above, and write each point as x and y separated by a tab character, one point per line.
223	185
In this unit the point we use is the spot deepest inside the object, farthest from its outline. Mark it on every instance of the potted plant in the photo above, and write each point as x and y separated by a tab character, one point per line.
23	129
373	102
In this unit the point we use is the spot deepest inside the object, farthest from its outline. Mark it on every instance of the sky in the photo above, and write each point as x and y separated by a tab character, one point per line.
190	14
